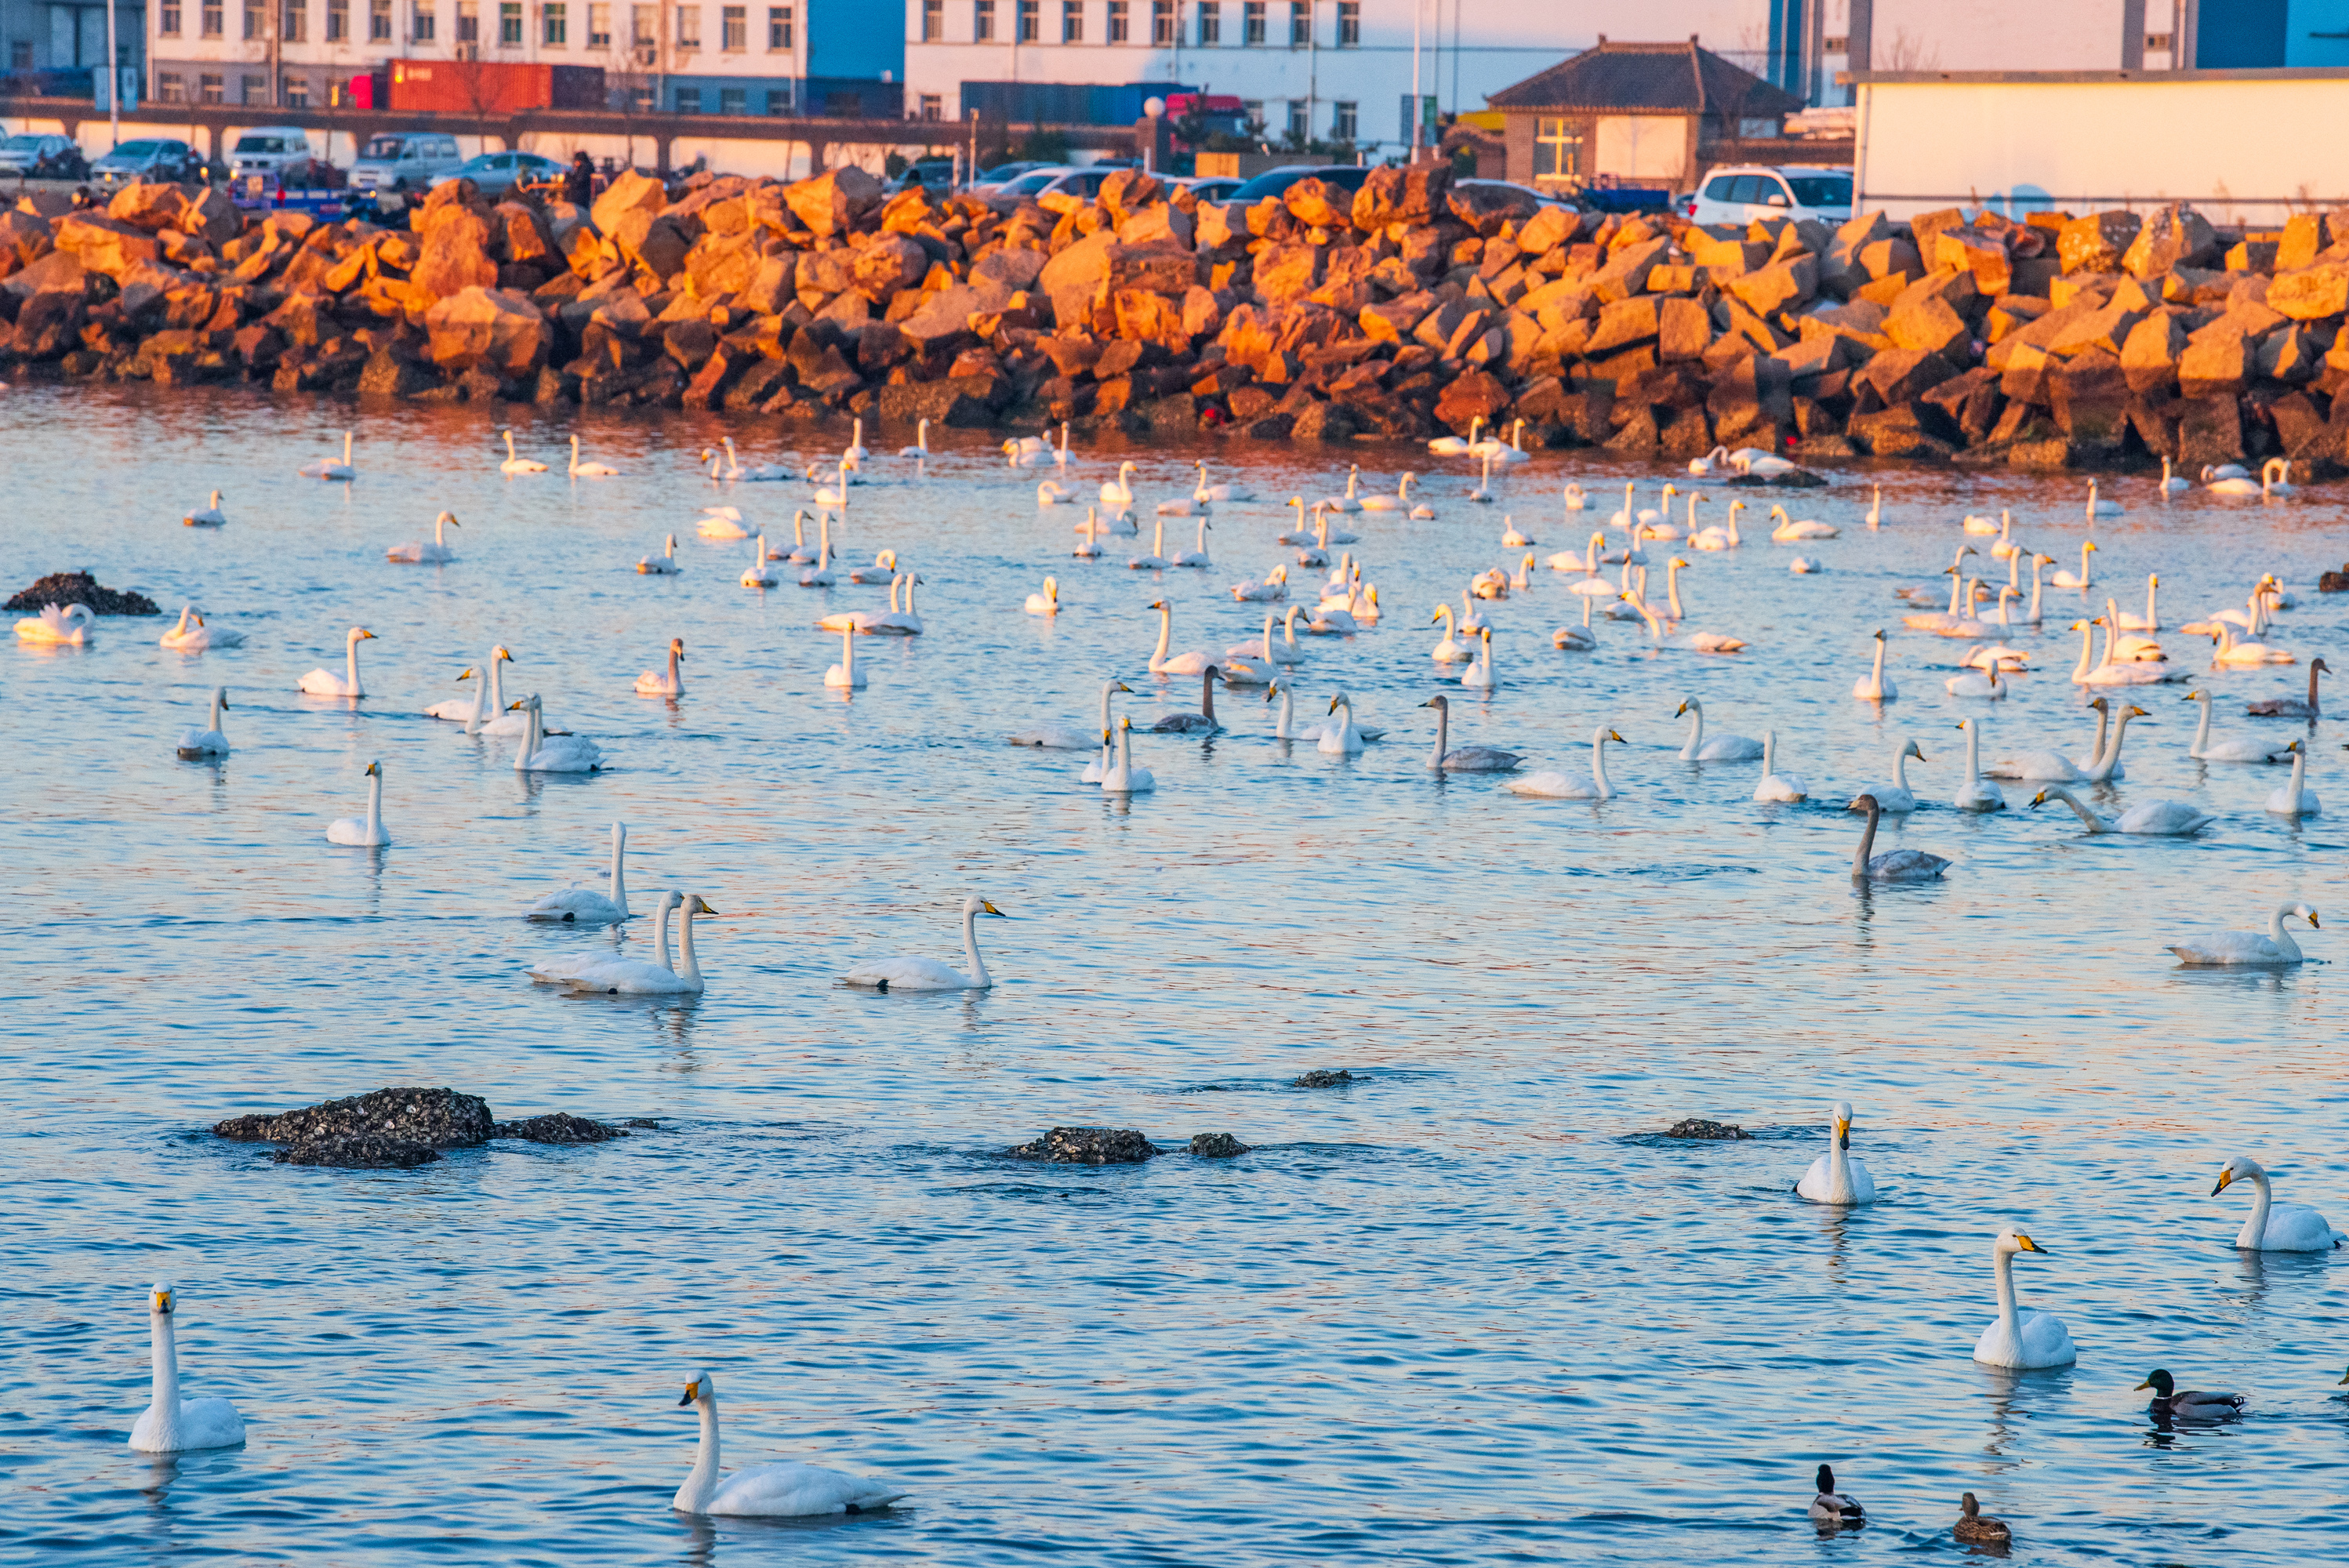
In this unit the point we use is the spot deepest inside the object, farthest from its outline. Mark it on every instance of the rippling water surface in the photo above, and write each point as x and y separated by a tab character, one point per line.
1467	1309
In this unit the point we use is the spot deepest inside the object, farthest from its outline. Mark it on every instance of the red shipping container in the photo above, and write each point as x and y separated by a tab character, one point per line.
491	87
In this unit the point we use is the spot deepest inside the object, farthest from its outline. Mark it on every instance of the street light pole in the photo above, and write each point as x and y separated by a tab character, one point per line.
113	79
1418	14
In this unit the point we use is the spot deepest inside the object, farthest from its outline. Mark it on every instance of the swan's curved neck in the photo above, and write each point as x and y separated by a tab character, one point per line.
533	736
674	654
1599	765
1695	734
166	1351
2293	791
351	664
1107	687
1880	664
375	807
2282	939
668	906
2152	609
1974	742
1957	594
214	722
970	947
1769	752
1125	755
1900	768
1287	712
2010	1310
1867	842
1207	693
1839	1162
2201	729
688	970
1166	634
2088	818
619	881
1442	736
694	1495
2087	646
2108	759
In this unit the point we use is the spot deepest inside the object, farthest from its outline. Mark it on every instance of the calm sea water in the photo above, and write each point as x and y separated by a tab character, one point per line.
1469	1309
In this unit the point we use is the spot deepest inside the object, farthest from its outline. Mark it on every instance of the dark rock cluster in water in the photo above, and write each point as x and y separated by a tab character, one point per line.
1321	1078
396	1129
1697	1127
1217	1146
66	588
1088	1146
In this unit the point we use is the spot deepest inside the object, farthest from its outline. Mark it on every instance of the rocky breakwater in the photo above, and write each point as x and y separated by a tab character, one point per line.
1409	306
399	1129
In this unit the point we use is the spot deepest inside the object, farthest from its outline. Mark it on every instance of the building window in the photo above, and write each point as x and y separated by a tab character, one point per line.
982	21
643	27
1343	122
254	25
599	25
1300	23
688	31
1120	31
1557	150
253	91
167	23
1252	22
421	23
1032	20
640	100
734	29
689	101
779	101
1252	116
554	26
1072	21
1833	46
1349	24
168	88
295	28
380	21
510	24
338	21
933	107
295	93
210	89
1162	23
1299	128
733	100
780	28
215	19
933	21
1211	22
2156	43
468	21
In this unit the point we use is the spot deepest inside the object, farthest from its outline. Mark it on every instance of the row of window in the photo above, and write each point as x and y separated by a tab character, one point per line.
553	23
1254	15
171	87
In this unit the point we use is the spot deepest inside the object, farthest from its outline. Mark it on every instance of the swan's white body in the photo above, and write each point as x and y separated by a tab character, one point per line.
328	468
1873	687
1976	794
1340	738
68	627
170	1424
1399	502
720	522
2080	579
1060	737
1119	776
2206	749
1117	494
2021	1338
2295	799
562	971
1836	1177
367	832
1790	529
844	676
671	682
1047	602
326	683
1896	798
1273	585
580	470
516	464
207	516
2149	819
1774	786
543	753
921	447
585	906
665	563
1721	748
2275	1227
780	1490
1189	663
208	744
1556	786
759	573
641	977
2250	949
193	634
416	552
1450	650
1480	676
909	973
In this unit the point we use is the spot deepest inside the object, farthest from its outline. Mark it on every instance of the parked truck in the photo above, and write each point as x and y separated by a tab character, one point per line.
491	86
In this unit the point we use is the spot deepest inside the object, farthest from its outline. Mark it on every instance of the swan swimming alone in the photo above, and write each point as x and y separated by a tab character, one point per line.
170	1424
2295	799
585	906
1721	748
1976	794
1782	788
1836	1177
67	627
665	563
208	744
1060	737
328	468
326	683
655	683
580	470
906	973
2021	1338
368	833
1874	688
780	1490
1556	785
1896	799
639	977
207	516
193	634
2250	949
436	554
2275	1227
2154	818
515	463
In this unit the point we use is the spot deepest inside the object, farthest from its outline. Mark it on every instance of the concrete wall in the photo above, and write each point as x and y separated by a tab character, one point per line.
2249	147
1998	34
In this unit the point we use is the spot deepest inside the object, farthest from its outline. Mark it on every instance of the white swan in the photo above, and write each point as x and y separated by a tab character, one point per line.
1694	642
562	971
897	620
515	464
1556	786
1023	451
833	497
844	676
1205	491
1987	684
903	973
193	634
1480	676
1274	585
326	683
1774	786
2081	579
1117	494
1579	639
1836	1177
2152	819
1156	560
1705	465
1047	602
585	906
1874	688
2294	800
2250	949
1190	662
759	573
488	697
2171	483
540	752
1351	500
436	554
2098	509
1721	748
720	522
1060	737
2022	1338
855	452
208	744
68	627
1976	794
170	1424
1455	446
884	569
1053	492
2230	480
1399	502
921	447
641	977
1896	798
802	553
328	468
209	516
2275	1227
2203	749
580	470
671	682
1465	758
1197	556
1343	737
1789	529
1574	498
1117	774
2232	653
368	833
778	1490
1450	650
661	565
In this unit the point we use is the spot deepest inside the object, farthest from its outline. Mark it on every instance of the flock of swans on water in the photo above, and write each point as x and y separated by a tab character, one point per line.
1271	662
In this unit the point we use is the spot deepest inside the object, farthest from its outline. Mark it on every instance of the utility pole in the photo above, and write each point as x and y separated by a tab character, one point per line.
1418	14
113	79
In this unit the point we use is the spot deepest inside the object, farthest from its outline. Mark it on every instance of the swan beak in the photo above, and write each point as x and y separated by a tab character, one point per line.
373	767
992	909
2142	714
512	705
464	674
2313	923
366	636
2028	1245
2224	1177
1679	710
1617	738
453	523
2345	1379
1431	702
1334	704
2039	799
690	1390
162	1303
1124	687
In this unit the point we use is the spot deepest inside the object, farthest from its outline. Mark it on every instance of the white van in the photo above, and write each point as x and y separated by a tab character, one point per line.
268	149
405	161
1747	191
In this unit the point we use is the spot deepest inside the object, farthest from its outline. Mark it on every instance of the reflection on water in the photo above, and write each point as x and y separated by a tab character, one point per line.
1452	1312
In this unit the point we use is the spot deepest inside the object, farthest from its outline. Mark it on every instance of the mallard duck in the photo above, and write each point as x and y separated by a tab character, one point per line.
1831	1508
2172	1403
1977	1529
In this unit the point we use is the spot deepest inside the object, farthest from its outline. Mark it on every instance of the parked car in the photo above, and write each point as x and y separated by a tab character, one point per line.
935	175
157	158
405	161
1277	181
32	157
497	174
1002	174
1539	197
270	149
1212	186
1740	194
1052	180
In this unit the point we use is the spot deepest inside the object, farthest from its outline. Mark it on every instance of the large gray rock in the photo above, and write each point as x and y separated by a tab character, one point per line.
1088	1146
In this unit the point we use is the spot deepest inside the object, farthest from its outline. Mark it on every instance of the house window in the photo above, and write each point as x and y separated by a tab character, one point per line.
1162	23
1032	20
295	93
510	22
210	89
1349	24
1072	21
20	56
468	21
1252	22
1299	128
934	20
689	101
1252	116
1557	150
1211	22
421	23
1120	31
2156	43
779	101
689	35
1343	122
1300	23
167	23
380	21
295	28
599	25
256	26
734	29
168	88
554	26
338	21
780	30
733	100
982	21
933	107
1833	46
214	22
254	91
641	99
